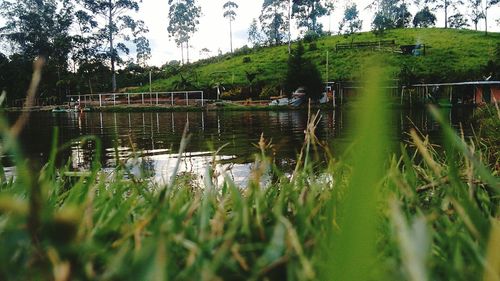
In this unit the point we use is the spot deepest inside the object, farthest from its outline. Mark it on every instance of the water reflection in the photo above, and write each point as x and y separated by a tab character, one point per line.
155	136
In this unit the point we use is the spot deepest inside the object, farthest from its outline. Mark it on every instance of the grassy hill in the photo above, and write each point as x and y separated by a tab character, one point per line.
453	55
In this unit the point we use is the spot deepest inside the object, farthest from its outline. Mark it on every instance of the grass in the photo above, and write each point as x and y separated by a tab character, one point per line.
452	55
426	215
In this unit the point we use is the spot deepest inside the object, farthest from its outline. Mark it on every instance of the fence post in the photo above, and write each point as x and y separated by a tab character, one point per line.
187	99
128	98
100	100
156	98
114	99
142	95
201	98
172	98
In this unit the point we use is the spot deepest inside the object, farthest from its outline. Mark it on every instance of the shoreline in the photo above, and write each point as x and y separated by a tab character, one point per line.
228	107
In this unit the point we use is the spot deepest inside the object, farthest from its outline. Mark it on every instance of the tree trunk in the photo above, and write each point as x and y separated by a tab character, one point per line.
111	48
486	20
90	86
231	34
445	13
187	51
182	53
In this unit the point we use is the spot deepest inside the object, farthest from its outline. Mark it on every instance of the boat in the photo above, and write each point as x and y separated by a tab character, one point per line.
64	110
298	97
281	100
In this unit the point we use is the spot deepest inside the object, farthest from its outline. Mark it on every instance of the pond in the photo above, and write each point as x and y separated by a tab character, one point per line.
155	137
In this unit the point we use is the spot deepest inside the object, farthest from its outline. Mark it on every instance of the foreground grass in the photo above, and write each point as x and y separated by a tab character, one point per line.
423	216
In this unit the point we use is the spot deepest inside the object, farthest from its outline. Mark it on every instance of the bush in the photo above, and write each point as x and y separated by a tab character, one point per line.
269	91
247	60
313	47
231	94
311	36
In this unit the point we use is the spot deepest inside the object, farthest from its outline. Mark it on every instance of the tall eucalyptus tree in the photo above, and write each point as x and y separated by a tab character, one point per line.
275	21
115	27
183	18
487	6
230	13
308	12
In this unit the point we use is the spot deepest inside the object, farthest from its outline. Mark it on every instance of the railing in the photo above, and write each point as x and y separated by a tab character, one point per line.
360	45
151	98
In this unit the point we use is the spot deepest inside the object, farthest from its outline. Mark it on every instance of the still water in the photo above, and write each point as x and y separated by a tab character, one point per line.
155	137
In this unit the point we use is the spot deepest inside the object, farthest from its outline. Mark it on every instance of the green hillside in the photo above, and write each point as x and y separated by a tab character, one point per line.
452	55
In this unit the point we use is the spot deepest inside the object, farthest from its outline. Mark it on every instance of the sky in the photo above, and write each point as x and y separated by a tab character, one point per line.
213	32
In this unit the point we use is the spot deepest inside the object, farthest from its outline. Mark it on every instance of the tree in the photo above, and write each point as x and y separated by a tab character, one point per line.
381	23
205	52
445	5
143	51
274	21
389	14
458	21
230	13
402	16
489	4
116	28
39	28
476	11
351	22
254	35
183	22
424	18
303	73
307	13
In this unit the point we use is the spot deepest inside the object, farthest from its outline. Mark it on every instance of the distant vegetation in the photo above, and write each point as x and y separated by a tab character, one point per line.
95	46
451	55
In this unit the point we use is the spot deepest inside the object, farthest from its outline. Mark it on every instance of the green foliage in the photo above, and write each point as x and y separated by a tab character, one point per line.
424	18
269	91
455	55
458	21
310	36
303	73
351	23
390	14
307	13
312	47
230	8
254	36
115	29
274	21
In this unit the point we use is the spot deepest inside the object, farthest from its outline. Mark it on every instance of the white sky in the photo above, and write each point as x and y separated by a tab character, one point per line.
213	30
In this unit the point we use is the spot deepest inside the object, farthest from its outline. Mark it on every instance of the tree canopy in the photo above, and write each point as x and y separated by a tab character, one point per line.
274	20
303	73
308	12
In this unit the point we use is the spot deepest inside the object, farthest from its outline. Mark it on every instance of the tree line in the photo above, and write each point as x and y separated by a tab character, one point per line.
82	41
87	43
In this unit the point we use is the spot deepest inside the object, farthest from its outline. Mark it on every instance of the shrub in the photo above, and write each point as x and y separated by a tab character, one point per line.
231	94
311	36
269	91
313	47
247	60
